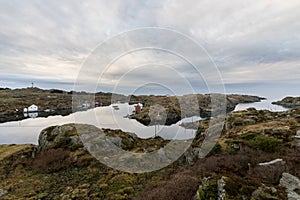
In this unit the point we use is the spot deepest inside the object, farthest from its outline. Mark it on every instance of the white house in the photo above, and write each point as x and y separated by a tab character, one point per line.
32	108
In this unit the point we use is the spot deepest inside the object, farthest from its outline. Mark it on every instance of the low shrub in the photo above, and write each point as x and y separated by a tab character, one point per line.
51	160
217	149
263	142
209	192
180	186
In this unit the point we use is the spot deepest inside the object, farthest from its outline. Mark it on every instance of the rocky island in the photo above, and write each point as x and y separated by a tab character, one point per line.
289	102
177	107
49	102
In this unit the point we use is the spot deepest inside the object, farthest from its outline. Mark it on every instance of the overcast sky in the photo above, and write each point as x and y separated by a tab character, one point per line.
254	44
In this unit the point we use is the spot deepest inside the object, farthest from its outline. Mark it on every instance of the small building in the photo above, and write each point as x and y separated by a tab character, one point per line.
32	108
137	108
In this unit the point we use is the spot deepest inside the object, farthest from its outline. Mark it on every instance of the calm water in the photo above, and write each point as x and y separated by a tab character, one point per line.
27	131
263	105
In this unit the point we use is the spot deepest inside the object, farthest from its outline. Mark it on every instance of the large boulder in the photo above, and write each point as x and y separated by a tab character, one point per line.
64	136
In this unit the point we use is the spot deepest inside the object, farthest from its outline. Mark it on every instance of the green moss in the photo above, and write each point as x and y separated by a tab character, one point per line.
64	142
217	149
211	191
201	194
232	187
249	136
50	137
268	196
263	142
247	189
127	144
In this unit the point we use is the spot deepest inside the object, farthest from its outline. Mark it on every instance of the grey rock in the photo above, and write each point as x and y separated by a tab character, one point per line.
260	191
221	190
278	131
116	141
191	155
291	183
2	192
56	135
297	139
204	184
289	102
249	121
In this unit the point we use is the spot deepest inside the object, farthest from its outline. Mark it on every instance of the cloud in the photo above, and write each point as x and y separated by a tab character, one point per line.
250	41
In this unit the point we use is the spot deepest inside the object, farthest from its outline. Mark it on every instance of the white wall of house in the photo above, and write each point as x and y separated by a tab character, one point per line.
32	108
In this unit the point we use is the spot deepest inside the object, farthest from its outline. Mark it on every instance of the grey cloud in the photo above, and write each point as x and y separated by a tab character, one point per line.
249	41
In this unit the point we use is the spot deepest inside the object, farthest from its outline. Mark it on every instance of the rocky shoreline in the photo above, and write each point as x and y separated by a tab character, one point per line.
61	102
289	102
176	108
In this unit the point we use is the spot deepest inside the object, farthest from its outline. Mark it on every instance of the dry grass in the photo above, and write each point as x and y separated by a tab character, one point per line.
8	150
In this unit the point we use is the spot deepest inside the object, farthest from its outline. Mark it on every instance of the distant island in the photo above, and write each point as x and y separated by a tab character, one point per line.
59	102
289	102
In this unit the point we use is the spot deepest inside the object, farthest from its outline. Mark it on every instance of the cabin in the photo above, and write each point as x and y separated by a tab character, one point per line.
32	108
137	108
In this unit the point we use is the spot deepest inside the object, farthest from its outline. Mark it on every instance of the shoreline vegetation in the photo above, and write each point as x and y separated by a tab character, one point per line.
256	157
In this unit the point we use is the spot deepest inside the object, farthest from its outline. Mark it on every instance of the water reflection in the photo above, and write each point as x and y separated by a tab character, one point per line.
263	105
31	115
27	130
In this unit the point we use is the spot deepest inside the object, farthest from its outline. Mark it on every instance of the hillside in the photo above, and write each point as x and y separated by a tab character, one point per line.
257	157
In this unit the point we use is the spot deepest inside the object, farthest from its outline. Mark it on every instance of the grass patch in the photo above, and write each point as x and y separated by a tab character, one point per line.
8	150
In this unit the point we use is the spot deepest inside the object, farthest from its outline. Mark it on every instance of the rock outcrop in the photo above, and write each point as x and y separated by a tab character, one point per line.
221	188
188	106
297	139
211	189
289	102
2	192
291	183
64	136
